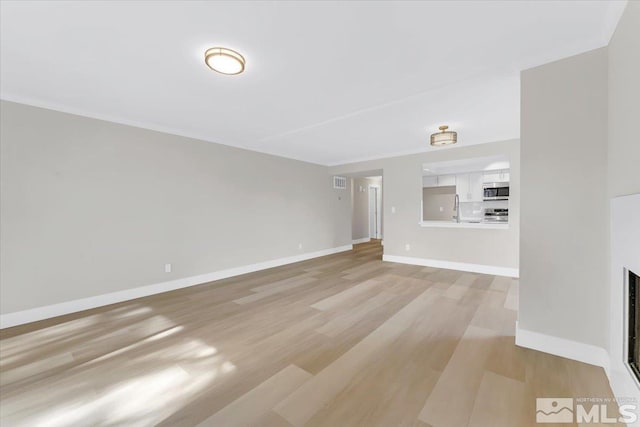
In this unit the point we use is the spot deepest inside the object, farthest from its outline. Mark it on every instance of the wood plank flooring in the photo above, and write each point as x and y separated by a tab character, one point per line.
343	340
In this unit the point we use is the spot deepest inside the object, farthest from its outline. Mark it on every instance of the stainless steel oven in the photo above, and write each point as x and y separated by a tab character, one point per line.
496	190
496	216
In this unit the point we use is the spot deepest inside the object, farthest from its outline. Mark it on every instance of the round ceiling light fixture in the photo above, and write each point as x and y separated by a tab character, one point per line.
444	137
224	61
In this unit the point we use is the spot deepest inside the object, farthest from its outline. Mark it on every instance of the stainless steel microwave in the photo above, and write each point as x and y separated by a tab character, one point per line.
496	190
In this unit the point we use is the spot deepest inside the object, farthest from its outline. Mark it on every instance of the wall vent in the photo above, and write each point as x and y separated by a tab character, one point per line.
340	182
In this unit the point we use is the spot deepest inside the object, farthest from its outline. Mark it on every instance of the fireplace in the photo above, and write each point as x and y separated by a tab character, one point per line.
624	313
633	326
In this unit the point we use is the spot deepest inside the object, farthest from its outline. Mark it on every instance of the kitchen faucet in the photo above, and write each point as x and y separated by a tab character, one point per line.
456	208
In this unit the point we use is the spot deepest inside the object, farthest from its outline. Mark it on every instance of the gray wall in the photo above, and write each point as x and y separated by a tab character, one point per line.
624	104
91	207
564	219
434	198
403	190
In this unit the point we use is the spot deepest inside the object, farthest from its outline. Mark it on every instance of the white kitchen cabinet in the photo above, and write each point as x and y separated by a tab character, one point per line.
438	181
469	187
496	176
463	187
491	177
476	189
444	180
430	181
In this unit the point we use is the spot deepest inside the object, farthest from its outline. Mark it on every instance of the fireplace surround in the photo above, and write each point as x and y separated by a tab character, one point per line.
624	320
633	324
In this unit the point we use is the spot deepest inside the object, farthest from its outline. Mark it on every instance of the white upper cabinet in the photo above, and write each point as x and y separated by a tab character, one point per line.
477	191
491	177
469	187
446	180
496	176
463	187
430	181
438	181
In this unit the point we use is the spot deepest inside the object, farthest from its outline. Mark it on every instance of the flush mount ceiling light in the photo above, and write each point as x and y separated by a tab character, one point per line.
444	137
224	61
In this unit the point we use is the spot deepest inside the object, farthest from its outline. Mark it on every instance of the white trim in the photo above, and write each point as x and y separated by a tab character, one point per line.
378	206
562	347
622	382
363	240
40	313
462	224
461	266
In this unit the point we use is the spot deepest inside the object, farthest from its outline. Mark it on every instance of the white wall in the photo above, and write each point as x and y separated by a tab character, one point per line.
624	178
90	207
403	190
564	220
624	104
579	128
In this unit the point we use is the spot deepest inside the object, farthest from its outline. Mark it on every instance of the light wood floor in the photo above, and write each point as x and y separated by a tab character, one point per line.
336	341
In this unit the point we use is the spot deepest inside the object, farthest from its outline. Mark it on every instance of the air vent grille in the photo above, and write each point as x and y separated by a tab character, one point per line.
340	182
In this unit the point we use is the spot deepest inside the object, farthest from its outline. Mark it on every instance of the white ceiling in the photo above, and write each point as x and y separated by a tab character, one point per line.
326	82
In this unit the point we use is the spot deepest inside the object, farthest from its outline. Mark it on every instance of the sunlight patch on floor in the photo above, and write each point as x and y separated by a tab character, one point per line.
147	381
141	401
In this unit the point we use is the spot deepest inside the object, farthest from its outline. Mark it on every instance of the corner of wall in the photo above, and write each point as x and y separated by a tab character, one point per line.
562	347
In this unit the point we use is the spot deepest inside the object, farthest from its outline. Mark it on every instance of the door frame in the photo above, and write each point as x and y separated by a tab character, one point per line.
378	208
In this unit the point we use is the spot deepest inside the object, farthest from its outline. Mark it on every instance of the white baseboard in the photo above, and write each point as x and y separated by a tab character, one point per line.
581	352
363	240
461	266
623	384
46	312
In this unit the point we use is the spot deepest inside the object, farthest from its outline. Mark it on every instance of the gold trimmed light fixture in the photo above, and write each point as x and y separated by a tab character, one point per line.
224	61
444	137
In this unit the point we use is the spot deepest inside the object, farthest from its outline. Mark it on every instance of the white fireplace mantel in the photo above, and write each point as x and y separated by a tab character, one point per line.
625	254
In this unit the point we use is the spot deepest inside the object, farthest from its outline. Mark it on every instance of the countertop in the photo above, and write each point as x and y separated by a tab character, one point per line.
463	224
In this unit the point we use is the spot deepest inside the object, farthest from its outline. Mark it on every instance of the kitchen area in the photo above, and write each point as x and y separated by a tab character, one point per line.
466	193
424	223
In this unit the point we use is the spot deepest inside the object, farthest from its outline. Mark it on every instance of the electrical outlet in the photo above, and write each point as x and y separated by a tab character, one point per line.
167	268
407	247
441	209
393	209
299	245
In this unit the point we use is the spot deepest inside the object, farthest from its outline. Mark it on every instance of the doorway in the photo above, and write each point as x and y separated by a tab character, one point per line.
367	207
